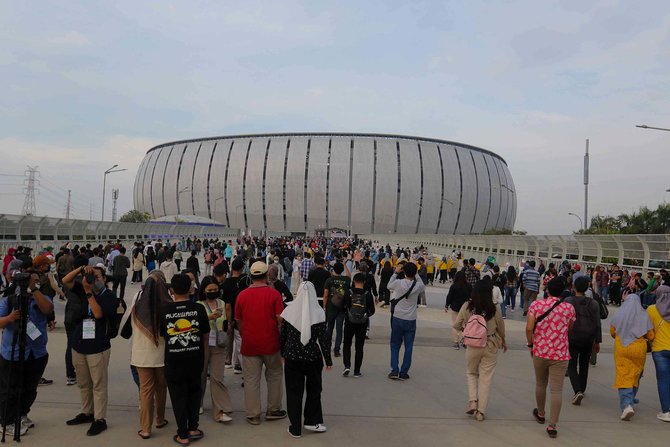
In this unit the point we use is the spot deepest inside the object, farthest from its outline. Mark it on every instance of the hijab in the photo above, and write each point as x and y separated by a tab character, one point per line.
304	311
149	305
631	321
663	302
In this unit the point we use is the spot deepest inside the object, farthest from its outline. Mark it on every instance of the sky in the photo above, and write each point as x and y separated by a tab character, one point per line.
87	85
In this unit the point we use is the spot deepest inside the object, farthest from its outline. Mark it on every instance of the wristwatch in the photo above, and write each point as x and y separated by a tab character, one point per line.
89	295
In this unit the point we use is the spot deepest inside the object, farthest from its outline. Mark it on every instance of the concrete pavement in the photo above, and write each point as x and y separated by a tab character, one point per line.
427	410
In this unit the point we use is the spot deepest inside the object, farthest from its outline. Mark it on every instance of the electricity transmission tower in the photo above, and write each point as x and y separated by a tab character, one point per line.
67	207
30	183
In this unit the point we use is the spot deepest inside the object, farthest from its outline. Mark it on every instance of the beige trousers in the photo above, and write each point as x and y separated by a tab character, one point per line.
550	372
528	297
481	364
274	374
455	335
215	358
91	372
153	393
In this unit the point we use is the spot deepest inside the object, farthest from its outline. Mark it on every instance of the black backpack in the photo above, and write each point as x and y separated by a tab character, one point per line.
358	312
583	331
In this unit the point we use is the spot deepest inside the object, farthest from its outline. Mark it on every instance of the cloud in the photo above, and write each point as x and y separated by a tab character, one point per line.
68	39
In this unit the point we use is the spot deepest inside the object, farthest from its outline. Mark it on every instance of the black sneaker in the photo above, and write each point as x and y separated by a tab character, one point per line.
44	381
336	353
404	376
97	427
393	376
274	415
81	418
346	372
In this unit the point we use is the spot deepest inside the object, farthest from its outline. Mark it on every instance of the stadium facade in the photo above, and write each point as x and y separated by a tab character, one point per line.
307	182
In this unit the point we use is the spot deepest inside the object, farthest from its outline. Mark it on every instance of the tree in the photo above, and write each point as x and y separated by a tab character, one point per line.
643	221
135	216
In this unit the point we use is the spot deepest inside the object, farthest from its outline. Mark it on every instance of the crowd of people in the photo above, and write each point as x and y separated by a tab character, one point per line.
289	305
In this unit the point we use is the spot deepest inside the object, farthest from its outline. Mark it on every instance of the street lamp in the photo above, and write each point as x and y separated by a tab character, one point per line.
581	222
104	185
644	126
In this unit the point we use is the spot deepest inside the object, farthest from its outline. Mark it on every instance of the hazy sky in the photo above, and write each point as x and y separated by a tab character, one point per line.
86	85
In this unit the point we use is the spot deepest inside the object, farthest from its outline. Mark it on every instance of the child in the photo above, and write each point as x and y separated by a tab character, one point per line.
359	307
185	327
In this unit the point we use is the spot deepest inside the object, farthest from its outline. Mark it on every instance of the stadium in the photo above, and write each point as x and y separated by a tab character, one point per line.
313	182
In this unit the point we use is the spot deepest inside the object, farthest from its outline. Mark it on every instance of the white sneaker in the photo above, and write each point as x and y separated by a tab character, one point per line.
665	417
9	431
27	422
201	411
318	428
223	417
627	413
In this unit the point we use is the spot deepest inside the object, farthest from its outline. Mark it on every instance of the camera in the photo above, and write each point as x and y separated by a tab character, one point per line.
90	278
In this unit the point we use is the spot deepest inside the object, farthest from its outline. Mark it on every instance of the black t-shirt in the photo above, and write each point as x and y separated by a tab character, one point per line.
318	277
185	326
107	301
231	287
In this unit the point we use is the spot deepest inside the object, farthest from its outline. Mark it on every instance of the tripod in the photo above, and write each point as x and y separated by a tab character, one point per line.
18	300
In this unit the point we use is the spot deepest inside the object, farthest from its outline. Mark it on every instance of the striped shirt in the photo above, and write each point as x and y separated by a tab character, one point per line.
531	280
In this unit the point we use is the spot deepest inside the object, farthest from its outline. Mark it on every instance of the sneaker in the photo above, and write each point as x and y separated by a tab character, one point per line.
97	427
238	370
288	430
274	415
27	422
9	431
228	365
336	353
318	428
44	381
404	376
223	417
456	346
627	413
504	317
577	400
81	418
71	381
393	375
665	417
358	375
256	420
346	372
201	410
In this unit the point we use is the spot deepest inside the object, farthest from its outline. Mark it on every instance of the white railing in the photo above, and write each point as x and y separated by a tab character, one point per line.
37	232
634	251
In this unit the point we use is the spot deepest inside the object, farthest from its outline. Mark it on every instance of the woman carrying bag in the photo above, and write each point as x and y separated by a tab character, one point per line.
215	350
659	314
148	351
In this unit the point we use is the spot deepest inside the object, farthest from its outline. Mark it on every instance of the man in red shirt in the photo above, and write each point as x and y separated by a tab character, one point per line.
257	312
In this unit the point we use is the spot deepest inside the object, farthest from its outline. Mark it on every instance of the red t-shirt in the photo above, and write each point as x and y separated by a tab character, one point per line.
257	308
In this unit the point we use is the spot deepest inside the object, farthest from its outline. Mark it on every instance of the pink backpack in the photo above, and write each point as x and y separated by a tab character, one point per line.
475	333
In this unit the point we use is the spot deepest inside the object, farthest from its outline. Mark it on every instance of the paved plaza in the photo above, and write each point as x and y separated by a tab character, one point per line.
427	410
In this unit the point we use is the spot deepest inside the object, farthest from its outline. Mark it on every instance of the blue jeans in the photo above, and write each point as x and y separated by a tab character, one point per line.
605	293
335	322
662	363
287	281
510	296
627	397
402	331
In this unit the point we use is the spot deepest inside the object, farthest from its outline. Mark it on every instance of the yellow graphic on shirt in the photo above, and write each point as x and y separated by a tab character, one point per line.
183	331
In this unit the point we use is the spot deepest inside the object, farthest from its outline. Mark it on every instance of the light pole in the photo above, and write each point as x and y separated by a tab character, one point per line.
104	185
644	126
179	193
581	222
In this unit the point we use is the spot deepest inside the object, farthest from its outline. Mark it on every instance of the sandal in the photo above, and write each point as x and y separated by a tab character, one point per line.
196	434
139	433
538	418
162	424
551	431
176	439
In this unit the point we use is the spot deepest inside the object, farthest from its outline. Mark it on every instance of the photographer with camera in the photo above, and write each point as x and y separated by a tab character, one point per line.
15	397
94	306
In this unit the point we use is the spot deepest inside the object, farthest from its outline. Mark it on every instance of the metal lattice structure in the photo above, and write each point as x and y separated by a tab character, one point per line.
634	251
38	231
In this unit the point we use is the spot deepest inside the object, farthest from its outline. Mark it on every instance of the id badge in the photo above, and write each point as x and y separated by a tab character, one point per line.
32	331
88	331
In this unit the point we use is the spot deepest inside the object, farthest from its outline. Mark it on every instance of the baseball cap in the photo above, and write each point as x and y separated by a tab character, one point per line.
578	267
41	260
100	265
258	268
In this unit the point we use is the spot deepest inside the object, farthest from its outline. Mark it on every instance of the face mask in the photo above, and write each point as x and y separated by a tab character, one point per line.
98	286
213	295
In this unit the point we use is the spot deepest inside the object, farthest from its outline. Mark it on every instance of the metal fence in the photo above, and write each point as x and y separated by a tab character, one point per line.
35	231
634	251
